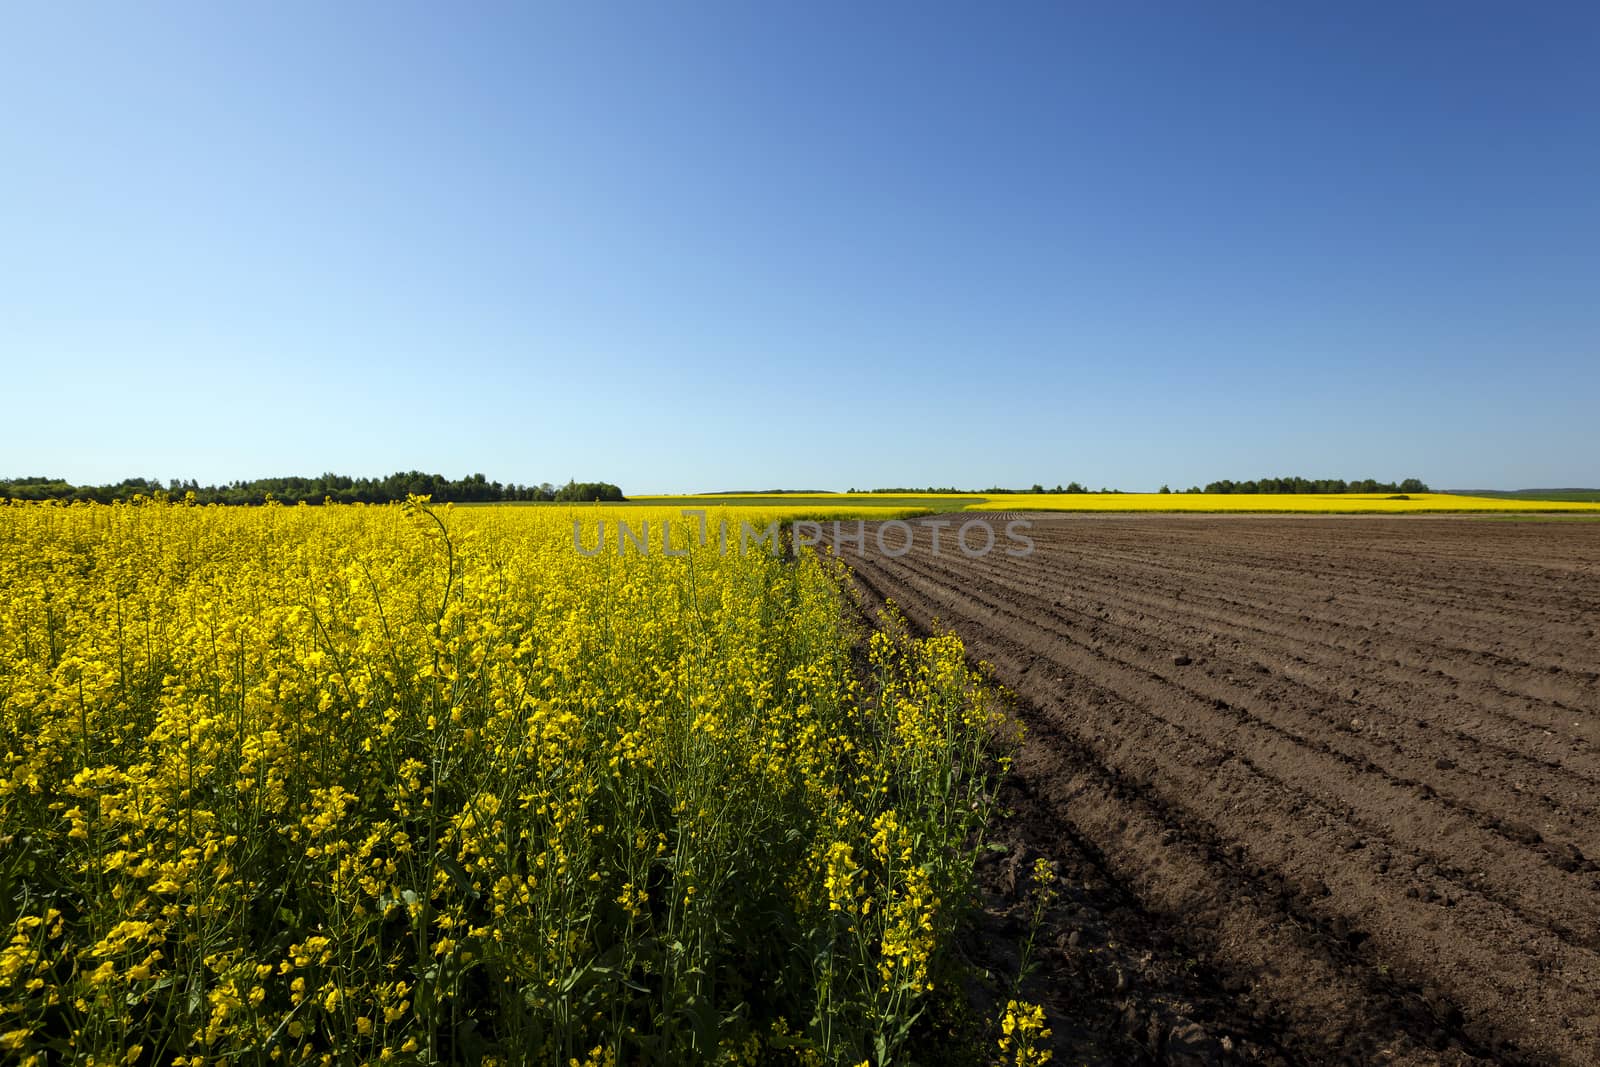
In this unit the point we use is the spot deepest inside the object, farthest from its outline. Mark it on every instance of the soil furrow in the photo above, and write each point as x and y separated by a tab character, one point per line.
1371	819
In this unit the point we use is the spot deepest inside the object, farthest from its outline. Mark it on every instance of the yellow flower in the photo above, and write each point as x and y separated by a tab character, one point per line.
1022	1030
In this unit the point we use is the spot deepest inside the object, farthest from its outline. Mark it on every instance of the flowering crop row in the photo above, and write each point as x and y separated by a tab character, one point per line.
413	784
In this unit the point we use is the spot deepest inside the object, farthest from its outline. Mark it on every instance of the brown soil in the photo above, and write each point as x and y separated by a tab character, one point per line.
1323	790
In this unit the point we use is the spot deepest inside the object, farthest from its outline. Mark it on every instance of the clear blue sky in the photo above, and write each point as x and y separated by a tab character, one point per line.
695	246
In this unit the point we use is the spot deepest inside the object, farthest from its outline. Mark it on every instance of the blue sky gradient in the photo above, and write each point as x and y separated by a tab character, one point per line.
714	246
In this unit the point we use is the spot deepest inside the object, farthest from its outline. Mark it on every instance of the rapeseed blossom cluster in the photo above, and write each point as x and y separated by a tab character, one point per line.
401	784
1023	1033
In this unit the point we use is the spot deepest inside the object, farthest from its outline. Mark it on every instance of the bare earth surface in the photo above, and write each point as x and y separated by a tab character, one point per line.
1323	790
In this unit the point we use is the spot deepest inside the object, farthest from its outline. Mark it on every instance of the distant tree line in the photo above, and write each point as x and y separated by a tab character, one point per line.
338	488
1070	487
1317	485
1260	485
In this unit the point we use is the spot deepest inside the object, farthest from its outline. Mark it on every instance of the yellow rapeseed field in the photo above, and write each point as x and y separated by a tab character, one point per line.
414	784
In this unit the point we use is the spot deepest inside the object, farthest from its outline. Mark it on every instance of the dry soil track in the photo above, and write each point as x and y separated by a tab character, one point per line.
1327	789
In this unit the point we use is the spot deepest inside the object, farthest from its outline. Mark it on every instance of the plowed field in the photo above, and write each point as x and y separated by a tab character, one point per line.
1326	789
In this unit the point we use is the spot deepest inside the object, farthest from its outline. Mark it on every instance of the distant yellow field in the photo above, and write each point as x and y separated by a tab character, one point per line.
757	512
899	505
850	502
1270	502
